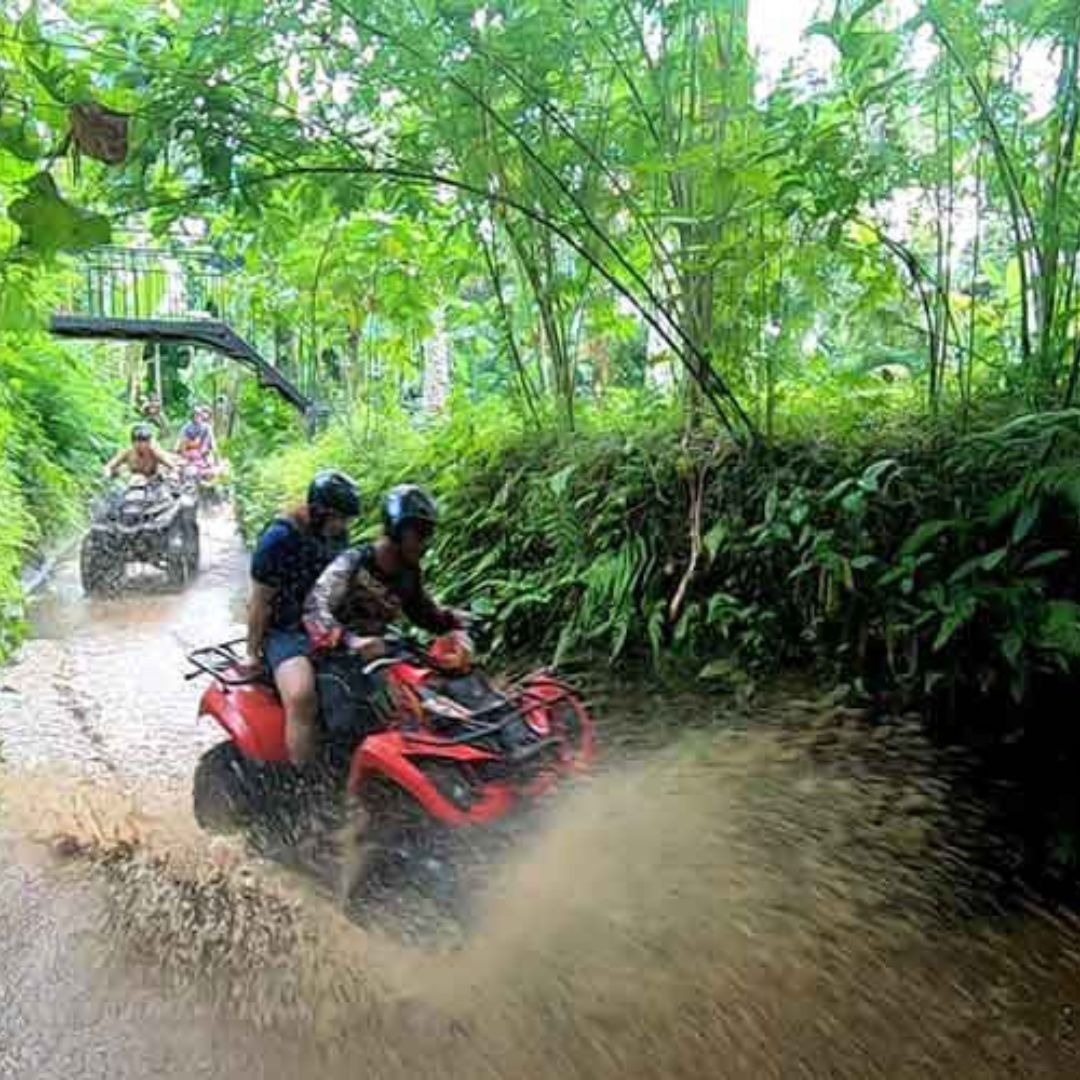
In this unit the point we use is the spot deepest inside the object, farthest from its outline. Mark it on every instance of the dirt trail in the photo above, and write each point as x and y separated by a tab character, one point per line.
792	899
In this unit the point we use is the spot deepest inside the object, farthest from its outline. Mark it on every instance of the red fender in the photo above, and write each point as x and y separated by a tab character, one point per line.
548	692
391	756
253	717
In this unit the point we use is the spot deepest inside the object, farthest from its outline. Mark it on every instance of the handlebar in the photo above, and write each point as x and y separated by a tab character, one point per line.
223	660
404	644
400	647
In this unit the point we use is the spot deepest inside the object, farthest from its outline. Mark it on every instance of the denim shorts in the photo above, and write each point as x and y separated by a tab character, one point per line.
282	645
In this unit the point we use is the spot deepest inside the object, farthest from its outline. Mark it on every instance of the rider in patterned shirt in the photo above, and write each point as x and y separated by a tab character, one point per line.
369	587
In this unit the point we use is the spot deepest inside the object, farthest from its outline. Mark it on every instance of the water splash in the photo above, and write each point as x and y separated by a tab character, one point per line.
789	900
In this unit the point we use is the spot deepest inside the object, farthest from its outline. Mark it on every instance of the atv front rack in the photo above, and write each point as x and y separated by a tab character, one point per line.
224	663
477	729
137	528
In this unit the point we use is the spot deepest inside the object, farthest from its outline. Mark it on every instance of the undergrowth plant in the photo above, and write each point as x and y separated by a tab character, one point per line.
936	568
59	419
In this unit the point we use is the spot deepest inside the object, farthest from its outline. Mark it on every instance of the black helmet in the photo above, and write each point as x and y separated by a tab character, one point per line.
141	433
334	492
408	504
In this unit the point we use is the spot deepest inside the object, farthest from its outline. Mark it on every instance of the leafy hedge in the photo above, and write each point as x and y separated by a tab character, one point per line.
58	421
936	568
930	571
14	524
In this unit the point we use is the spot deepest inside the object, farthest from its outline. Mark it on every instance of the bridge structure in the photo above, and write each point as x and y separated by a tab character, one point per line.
171	295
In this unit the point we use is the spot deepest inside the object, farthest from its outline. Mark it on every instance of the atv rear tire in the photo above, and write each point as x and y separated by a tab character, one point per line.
177	561
220	797
191	536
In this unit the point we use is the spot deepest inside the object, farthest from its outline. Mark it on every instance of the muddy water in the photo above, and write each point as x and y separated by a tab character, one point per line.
99	684
791	898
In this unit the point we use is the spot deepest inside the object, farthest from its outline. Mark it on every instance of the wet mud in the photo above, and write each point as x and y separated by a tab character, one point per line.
768	890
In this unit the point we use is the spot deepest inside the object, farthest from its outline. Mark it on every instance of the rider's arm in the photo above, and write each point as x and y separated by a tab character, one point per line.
116	461
162	458
320	618
260	606
422	609
270	557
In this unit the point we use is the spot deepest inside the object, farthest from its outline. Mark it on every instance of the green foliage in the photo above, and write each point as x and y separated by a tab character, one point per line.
59	420
928	571
569	184
47	223
14	525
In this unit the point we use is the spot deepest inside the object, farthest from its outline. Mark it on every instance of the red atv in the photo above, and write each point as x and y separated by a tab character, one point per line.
433	742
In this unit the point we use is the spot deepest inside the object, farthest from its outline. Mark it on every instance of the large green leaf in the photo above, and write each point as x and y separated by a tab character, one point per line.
1059	630
48	223
18	137
925	533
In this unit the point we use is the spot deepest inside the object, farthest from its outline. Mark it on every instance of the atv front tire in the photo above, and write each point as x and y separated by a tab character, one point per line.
97	569
396	865
220	798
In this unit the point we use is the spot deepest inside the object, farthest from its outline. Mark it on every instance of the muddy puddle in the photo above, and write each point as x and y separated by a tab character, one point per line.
790	895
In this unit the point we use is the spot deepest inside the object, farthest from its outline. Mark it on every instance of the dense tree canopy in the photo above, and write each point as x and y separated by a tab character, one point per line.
578	188
550	210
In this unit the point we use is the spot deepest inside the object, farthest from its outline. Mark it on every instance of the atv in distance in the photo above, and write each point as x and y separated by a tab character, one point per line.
208	481
150	521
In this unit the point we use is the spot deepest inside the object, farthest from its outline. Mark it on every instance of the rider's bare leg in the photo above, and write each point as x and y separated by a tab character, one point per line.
295	680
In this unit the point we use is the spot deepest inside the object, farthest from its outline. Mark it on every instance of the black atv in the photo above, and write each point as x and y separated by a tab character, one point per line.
151	521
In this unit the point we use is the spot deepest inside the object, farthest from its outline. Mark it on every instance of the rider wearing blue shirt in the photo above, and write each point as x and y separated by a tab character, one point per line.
291	553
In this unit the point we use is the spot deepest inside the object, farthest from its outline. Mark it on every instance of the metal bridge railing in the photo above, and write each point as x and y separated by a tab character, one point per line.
178	295
159	283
